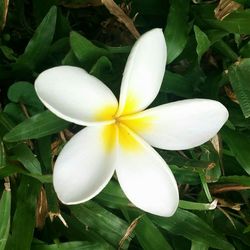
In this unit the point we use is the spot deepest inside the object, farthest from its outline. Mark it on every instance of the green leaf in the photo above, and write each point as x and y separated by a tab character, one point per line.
236	22
10	170
23	154
85	51
8	52
37	126
102	65
6	124
39	44
108	225
15	111
24	92
149	235
74	245
177	84
239	146
241	180
2	155
112	196
202	40
176	31
196	245
192	227
5	209
27	193
239	75
196	205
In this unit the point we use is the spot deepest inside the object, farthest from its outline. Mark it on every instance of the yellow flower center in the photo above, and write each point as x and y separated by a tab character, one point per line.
123	129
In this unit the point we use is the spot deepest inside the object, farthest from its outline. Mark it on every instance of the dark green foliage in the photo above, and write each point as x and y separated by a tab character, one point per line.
207	58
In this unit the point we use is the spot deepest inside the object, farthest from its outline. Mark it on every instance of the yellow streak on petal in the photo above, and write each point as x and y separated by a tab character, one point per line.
130	104
138	124
109	133
106	113
127	140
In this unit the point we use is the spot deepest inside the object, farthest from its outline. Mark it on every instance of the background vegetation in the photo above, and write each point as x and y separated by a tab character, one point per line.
208	57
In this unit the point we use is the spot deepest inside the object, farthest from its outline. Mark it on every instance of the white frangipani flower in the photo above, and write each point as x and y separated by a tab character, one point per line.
118	136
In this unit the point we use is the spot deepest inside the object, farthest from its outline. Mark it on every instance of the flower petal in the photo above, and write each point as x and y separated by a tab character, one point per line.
179	125
74	95
144	176
83	168
143	73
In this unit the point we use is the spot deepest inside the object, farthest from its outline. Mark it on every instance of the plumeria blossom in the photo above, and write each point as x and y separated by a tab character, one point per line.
120	137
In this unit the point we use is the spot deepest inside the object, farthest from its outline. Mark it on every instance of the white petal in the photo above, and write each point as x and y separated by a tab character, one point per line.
179	125
143	73
144	176
84	167
74	95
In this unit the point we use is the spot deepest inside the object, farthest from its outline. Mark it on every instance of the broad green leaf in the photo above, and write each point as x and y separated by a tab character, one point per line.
6	124
23	154
13	169
202	40
112	196
39	44
235	230
75	231
192	227
177	84
196	245
45	179
24	92
102	65
14	110
245	50
239	145
85	51
175	158
186	175
176	31
225	49
5	209
239	75
241	180
108	225
74	245
8	52
70	59
196	205
23	224
37	126
236	22
9	170
215	35
150	236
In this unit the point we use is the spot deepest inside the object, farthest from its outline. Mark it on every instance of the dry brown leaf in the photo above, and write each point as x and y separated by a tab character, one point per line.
227	188
231	94
115	10
52	216
41	209
216	143
227	204
224	8
128	232
5	12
